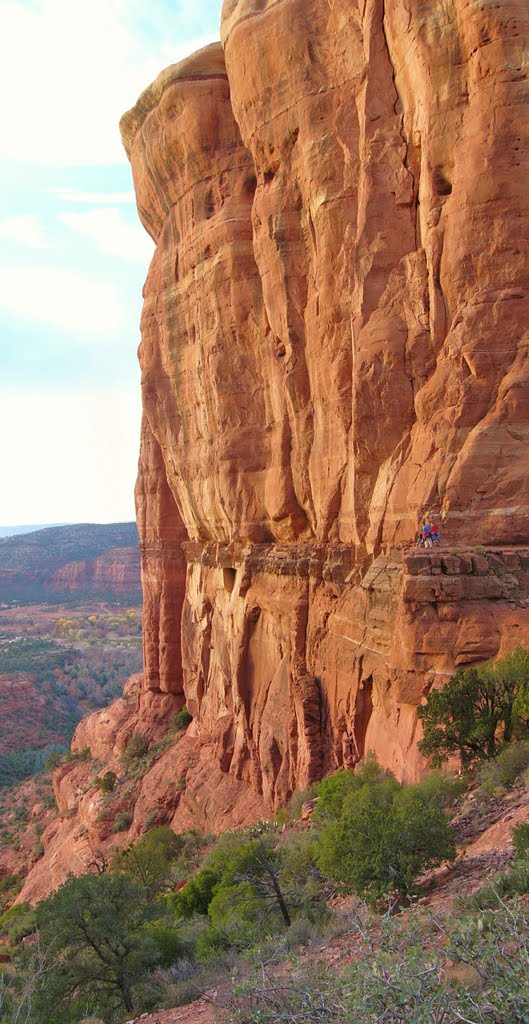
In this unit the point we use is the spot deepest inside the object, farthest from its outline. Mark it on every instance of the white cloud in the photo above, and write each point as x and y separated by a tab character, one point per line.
62	299
112	233
71	69
25	229
70	195
75	456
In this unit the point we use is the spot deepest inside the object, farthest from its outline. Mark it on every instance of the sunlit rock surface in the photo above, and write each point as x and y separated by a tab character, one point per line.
334	342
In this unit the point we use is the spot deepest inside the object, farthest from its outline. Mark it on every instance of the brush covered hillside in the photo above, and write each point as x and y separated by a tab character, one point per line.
70	635
363	902
64	561
58	664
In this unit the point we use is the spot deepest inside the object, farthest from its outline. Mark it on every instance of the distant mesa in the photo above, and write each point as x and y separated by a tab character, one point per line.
58	562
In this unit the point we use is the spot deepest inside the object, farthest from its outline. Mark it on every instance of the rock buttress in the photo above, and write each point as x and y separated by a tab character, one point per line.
334	341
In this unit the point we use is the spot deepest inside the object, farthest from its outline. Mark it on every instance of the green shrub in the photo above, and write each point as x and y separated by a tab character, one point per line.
78	755
107	782
10	885
123	821
300	933
235	935
17	922
506	768
386	837
136	748
181	720
53	761
167	941
196	895
150	861
478	975
520	838
335	789
443	787
513	882
478	711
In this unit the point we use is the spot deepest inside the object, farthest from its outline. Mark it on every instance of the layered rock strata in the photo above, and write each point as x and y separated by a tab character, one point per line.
115	572
334	343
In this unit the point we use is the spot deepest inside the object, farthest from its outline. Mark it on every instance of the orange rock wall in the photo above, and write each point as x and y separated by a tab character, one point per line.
334	341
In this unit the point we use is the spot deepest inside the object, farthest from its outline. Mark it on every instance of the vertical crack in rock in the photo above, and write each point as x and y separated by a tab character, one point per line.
415	174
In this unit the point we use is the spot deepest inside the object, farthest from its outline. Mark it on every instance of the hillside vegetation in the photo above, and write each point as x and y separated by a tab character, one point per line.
402	876
56	666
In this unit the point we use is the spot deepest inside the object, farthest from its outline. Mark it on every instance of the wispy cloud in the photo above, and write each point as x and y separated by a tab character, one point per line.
112	233
25	229
62	299
70	195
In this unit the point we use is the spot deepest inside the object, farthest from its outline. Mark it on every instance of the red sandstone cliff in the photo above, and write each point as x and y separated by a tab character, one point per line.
334	341
114	572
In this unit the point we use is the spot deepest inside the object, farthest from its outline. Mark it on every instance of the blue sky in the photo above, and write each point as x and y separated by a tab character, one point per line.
73	255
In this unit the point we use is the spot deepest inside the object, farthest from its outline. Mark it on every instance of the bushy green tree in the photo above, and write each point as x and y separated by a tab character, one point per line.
478	711
251	876
334	790
95	927
196	895
385	837
149	862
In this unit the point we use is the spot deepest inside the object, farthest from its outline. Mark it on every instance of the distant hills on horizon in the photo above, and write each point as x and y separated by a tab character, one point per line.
13	531
74	560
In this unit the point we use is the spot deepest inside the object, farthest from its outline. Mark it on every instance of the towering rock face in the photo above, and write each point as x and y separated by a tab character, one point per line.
334	341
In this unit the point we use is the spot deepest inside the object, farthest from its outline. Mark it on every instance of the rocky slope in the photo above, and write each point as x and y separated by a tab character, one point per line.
334	343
